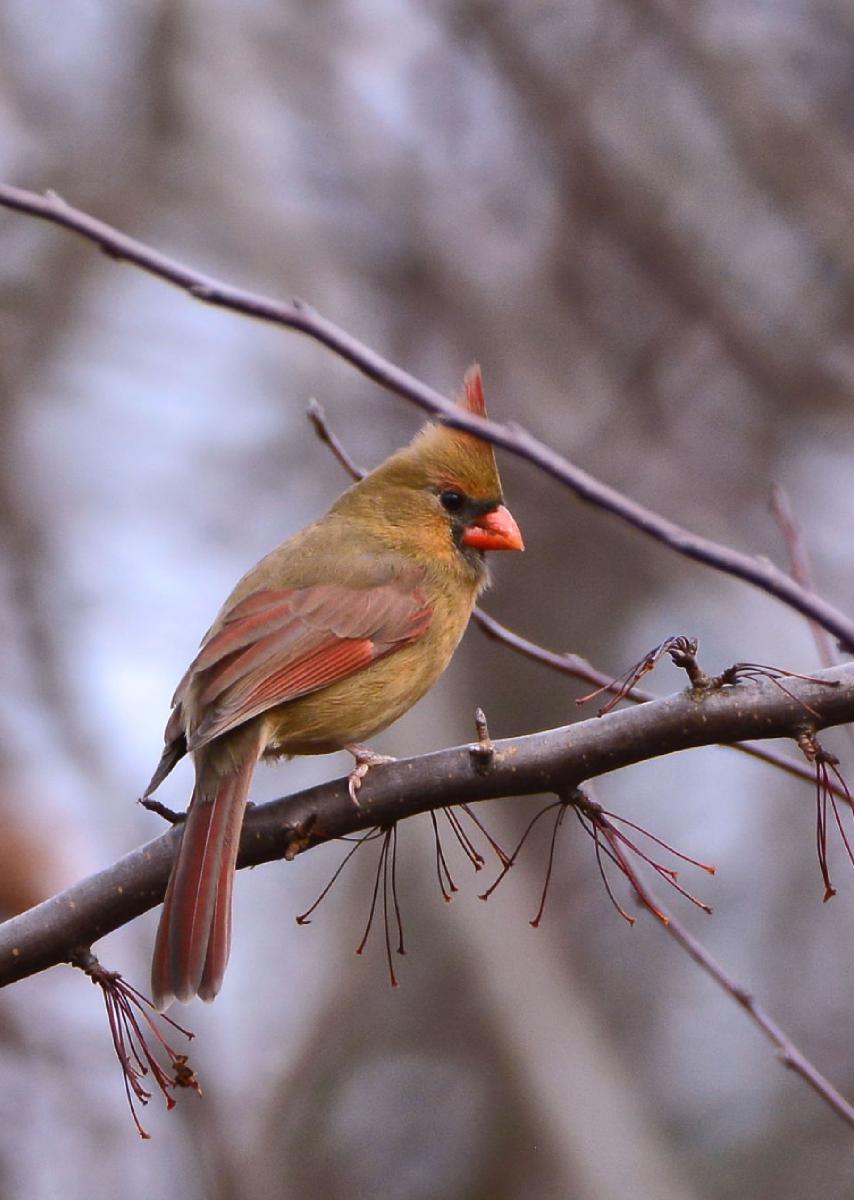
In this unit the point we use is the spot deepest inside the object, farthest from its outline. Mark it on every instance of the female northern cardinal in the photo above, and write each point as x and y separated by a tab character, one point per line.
328	640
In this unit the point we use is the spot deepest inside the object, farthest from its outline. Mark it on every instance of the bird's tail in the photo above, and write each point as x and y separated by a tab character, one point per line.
194	936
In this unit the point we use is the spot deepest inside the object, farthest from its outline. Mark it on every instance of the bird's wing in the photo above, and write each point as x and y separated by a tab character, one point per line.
275	646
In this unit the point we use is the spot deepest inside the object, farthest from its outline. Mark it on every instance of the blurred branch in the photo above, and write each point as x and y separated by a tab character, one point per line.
630	202
296	315
788	1053
549	761
573	665
803	167
800	565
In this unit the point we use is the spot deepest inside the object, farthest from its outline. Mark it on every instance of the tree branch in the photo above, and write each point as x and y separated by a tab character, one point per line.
577	667
550	761
296	315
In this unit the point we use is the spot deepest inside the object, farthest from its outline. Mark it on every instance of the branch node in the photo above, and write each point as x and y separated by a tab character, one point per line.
484	751
85	961
302	837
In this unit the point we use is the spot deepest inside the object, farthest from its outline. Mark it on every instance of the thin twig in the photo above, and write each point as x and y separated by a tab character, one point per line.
579	668
322	428
297	315
138	1040
789	1055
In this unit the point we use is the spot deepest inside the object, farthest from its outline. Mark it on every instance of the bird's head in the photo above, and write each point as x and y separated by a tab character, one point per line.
441	496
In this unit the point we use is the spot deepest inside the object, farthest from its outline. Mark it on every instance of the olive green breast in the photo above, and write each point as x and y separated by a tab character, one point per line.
364	703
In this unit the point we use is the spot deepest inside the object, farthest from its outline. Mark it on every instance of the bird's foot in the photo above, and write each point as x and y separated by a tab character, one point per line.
365	759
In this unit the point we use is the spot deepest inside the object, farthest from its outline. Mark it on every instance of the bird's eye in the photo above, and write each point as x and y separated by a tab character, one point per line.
451	500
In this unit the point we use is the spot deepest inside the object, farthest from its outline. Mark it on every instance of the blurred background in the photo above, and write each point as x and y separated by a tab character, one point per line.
636	215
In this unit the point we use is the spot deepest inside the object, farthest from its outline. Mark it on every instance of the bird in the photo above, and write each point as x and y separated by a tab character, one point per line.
322	644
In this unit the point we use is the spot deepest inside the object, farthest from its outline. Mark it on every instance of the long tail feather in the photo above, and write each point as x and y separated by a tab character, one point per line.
220	940
194	935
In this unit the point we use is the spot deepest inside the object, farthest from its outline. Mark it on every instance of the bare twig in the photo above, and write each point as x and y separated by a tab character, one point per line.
578	667
682	650
789	1055
566	662
610	842
297	315
138	1040
612	845
322	428
827	769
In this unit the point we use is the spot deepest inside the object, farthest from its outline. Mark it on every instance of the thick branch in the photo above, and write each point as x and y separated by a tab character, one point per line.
294	314
550	761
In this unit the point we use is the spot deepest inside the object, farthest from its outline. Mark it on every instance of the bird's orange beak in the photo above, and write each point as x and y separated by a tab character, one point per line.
496	530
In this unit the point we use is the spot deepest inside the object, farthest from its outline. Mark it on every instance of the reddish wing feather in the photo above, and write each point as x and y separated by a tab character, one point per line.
334	660
290	636
276	646
250	616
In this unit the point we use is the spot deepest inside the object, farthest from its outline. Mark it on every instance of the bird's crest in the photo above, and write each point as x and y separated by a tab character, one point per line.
444	456
472	396
459	456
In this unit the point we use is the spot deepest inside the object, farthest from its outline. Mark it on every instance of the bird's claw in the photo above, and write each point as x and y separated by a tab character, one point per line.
365	760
